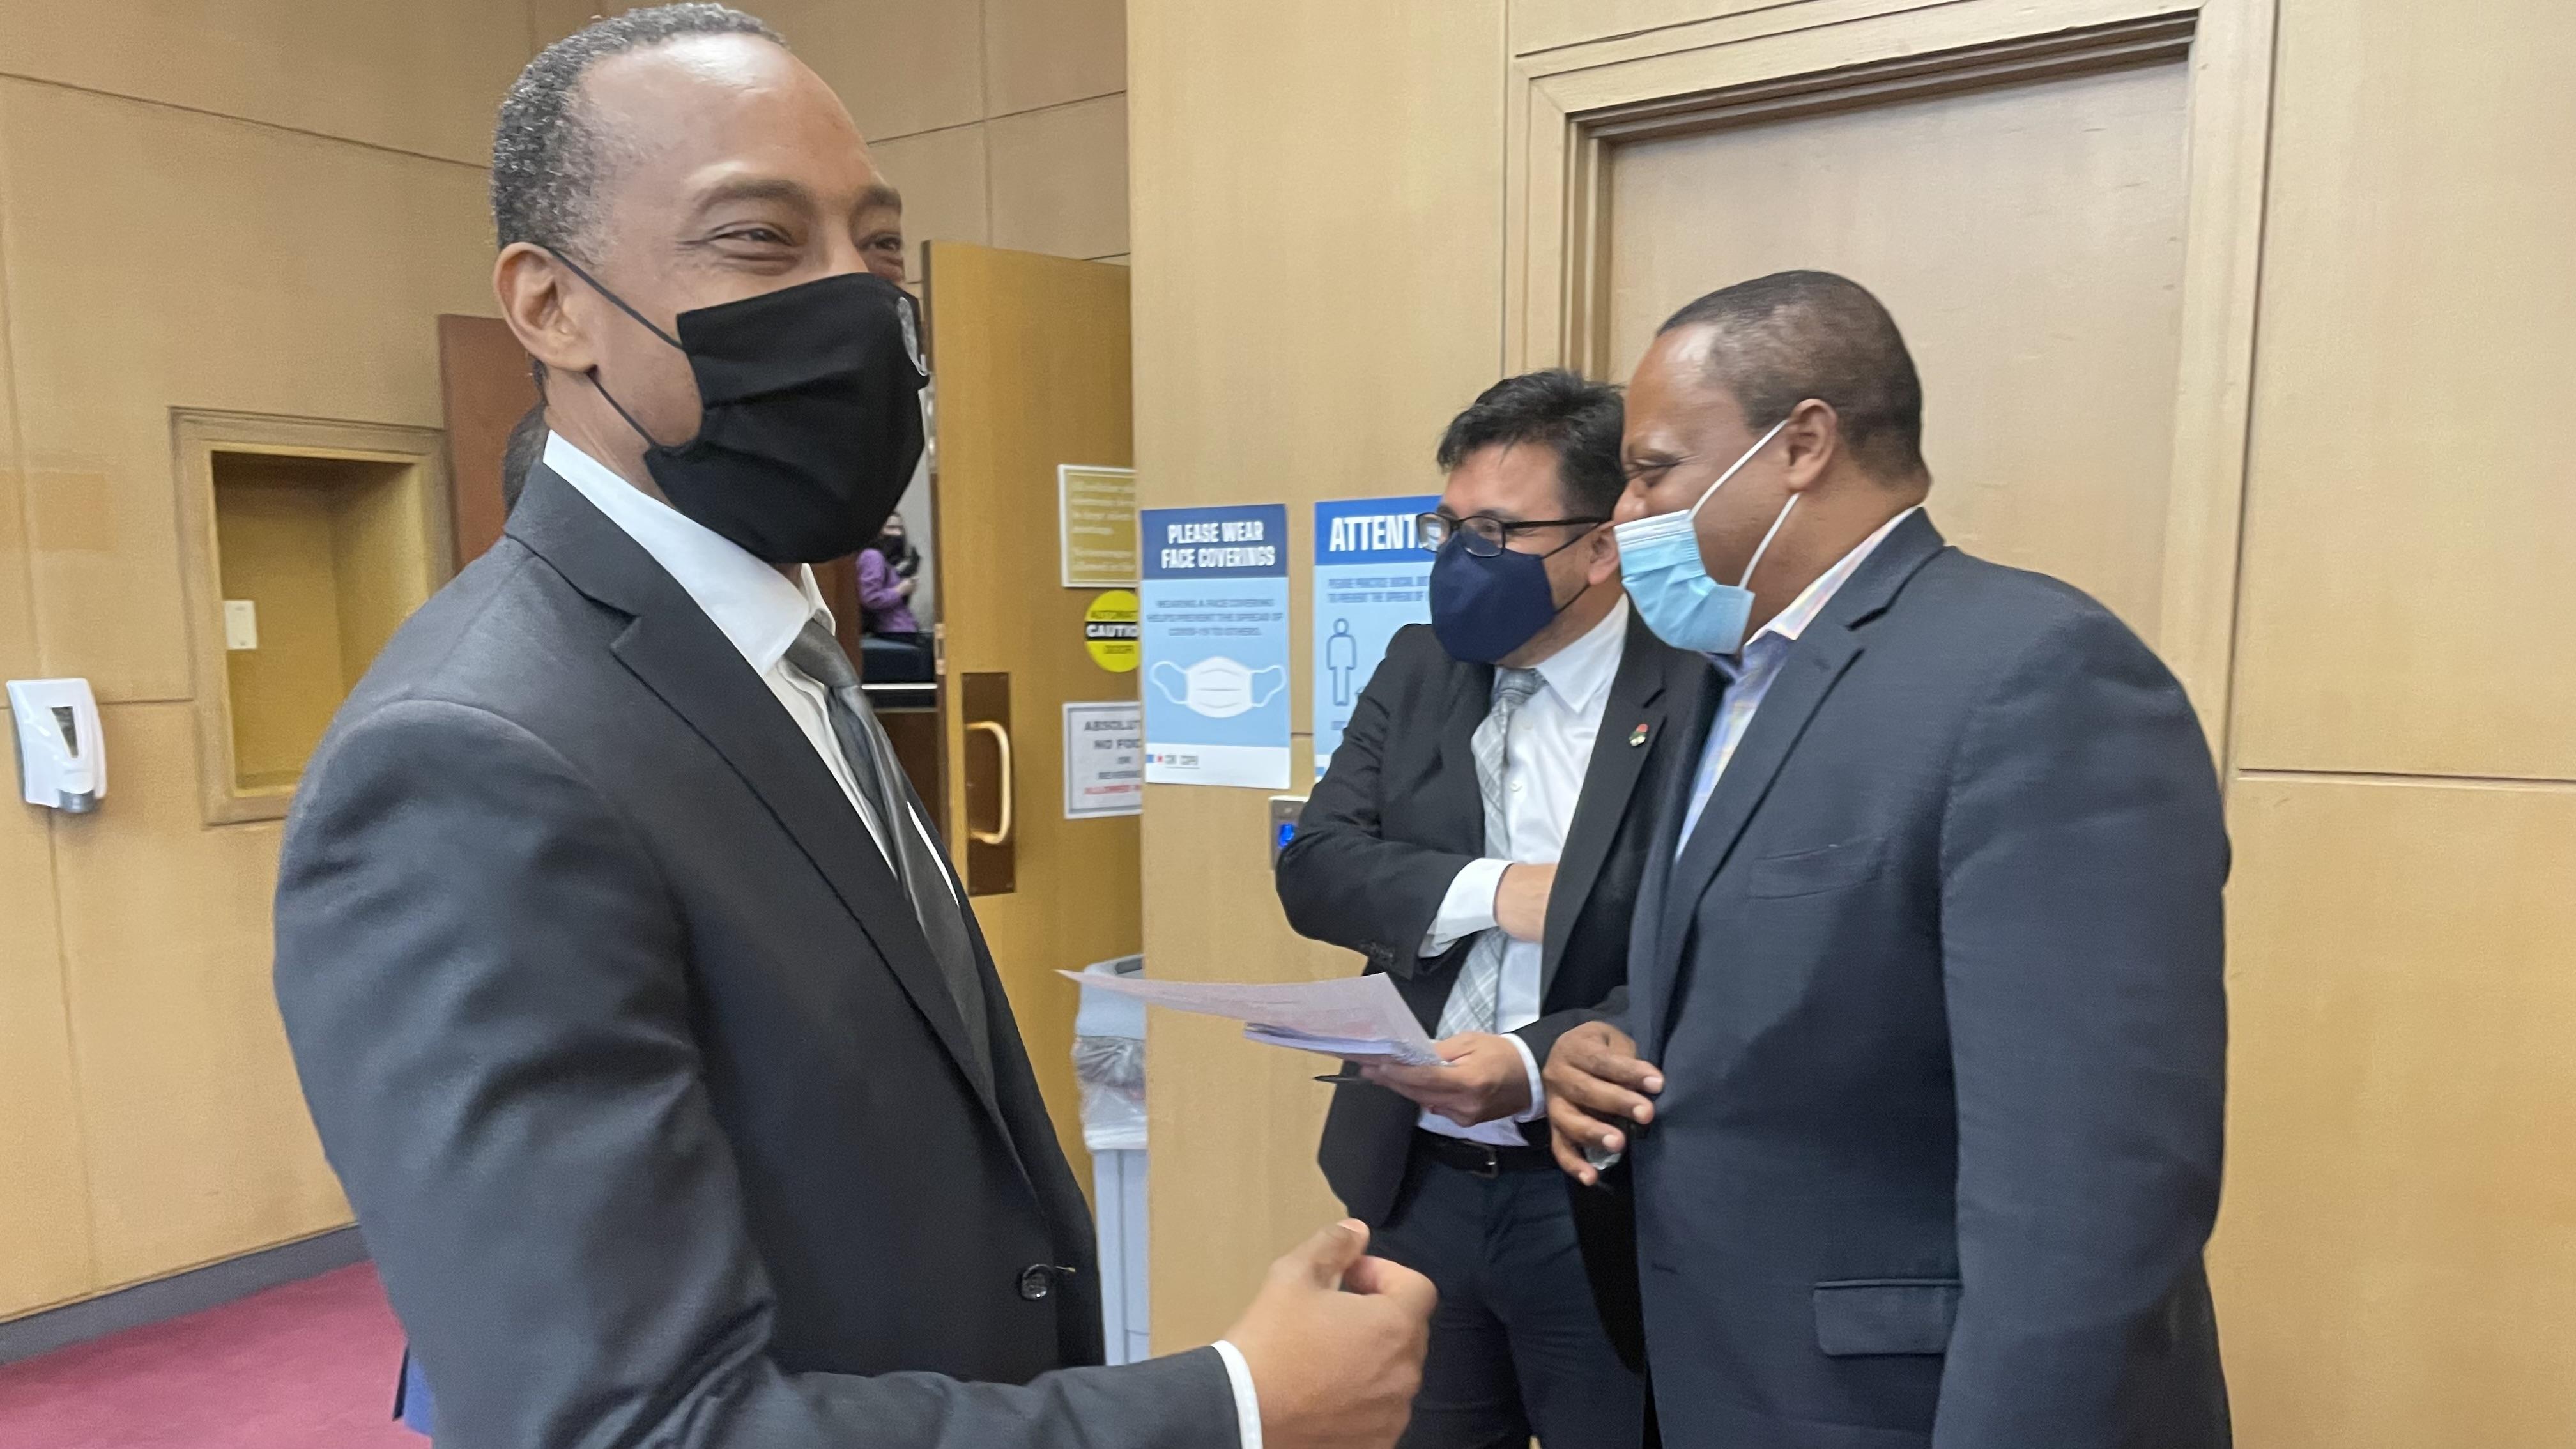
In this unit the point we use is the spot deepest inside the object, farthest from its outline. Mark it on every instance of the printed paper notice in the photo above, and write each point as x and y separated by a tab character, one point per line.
1104	759
1215	636
1371	579
1096	524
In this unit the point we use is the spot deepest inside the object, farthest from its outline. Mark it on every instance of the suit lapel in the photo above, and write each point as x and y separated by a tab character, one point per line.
1653	960
684	659
1471	698
1635	711
1814	664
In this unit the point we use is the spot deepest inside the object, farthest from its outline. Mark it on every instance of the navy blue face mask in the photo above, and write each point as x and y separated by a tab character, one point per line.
1484	608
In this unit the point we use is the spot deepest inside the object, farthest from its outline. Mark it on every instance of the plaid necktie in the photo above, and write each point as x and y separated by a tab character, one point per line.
1474	1000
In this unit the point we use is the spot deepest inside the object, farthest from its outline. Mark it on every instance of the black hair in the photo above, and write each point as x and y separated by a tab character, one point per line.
547	157
527	444
1791	336
1580	419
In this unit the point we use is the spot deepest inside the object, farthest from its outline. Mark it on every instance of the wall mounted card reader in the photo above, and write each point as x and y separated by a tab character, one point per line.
62	756
1284	810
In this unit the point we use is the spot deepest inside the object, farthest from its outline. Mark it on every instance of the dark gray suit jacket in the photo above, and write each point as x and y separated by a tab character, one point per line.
1936	986
658	1118
1399	814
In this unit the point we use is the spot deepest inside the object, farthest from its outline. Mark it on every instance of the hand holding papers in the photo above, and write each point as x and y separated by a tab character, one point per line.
1359	1018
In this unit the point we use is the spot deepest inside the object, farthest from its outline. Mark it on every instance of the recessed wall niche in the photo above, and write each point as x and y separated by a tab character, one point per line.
306	544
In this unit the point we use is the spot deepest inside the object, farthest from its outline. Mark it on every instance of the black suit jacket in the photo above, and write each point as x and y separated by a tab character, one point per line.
1395	818
620	1032
1936	988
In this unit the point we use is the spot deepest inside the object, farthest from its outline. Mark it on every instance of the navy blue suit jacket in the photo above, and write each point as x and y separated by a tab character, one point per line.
1936	987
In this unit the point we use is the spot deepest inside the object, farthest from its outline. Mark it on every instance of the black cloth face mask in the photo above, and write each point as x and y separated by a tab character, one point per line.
811	425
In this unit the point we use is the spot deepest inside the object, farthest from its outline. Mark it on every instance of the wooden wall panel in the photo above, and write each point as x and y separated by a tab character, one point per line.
198	1142
1047	52
947	195
2396	1264
1059	179
2408	542
552	20
1545	24
420	78
160	259
901	66
1265	140
44	1199
2047	217
17	597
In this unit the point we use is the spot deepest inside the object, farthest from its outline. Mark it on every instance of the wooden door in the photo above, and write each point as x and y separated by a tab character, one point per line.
487	385
1030	359
2028	238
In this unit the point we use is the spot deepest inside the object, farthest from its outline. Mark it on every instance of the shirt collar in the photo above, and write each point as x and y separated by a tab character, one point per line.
1792	621
1582	669
754	605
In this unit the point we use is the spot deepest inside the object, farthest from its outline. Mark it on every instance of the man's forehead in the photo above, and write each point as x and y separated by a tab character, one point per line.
1675	374
727	111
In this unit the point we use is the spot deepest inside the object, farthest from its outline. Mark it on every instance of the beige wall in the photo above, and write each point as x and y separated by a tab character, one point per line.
1322	246
263	215
1003	121
263	209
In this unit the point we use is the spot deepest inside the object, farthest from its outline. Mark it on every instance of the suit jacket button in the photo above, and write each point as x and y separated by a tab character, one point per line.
1036	1282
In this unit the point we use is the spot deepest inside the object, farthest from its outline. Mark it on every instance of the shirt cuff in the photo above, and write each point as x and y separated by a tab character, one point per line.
1538	1092
1469	906
1247	1404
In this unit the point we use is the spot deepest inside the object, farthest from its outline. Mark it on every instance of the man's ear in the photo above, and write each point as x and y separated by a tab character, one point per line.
1601	556
1810	442
535	292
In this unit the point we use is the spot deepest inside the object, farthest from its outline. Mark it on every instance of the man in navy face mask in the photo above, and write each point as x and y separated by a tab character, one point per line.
1478	836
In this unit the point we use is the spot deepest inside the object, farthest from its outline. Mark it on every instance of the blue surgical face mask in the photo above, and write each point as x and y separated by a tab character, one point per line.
1484	608
1659	561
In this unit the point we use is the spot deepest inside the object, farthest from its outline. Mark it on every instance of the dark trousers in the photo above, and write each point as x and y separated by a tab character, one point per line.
1517	1346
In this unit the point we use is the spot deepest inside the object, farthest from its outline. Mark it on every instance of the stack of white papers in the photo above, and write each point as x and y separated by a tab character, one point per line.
1357	1018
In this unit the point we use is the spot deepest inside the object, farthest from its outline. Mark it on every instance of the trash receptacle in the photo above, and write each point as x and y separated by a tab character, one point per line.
1109	1063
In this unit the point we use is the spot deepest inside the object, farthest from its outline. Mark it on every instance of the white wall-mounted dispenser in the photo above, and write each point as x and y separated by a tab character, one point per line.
62	754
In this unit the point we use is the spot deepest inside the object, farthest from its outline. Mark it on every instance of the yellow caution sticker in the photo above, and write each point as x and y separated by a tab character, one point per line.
1109	631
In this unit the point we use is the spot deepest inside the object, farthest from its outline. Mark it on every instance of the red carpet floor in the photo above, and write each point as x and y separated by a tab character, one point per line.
307	1366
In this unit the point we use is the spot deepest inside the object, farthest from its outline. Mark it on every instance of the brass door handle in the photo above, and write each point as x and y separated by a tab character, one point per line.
1001	833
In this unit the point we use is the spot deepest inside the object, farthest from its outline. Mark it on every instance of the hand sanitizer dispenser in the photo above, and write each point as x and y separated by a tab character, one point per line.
62	756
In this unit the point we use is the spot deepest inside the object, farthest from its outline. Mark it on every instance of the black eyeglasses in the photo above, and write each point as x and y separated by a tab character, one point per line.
1482	536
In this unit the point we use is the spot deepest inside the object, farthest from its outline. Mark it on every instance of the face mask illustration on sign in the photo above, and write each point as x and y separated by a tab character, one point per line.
1219	688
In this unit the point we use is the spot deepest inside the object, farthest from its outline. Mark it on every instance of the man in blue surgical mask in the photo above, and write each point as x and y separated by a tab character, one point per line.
1920	1076
1478	836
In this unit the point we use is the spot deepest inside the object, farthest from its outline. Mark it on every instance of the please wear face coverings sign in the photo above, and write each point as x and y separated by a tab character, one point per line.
1215	632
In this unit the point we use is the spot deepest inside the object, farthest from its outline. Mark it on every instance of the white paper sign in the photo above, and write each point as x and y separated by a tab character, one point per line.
1104	759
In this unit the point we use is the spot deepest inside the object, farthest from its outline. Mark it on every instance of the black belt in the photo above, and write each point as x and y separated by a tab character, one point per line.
1481	1159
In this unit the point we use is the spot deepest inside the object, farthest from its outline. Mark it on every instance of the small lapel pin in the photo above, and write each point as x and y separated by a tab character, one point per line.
1636	737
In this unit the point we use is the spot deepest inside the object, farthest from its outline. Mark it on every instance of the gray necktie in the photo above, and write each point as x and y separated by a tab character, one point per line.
873	767
1478	994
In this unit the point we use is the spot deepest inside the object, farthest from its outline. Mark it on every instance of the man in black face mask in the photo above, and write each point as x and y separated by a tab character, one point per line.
1479	836
639	1010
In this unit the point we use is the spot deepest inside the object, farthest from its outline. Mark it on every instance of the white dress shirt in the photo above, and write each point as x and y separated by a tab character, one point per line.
1546	754
1749	672
761	612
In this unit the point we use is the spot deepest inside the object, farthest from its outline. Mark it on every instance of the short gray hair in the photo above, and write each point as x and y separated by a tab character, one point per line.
547	157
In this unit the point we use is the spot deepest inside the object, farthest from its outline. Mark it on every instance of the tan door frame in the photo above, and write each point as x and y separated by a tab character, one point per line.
1565	108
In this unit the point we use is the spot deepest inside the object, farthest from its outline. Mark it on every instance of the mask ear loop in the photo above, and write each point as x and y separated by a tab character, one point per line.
1711	491
593	373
